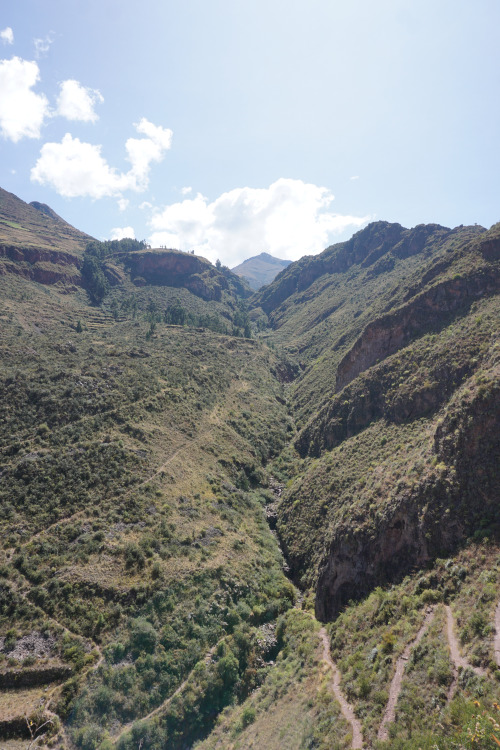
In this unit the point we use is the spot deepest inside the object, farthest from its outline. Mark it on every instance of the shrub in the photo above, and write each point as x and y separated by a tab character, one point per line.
143	636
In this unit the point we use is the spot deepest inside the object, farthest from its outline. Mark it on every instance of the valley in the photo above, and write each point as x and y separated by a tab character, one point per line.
237	519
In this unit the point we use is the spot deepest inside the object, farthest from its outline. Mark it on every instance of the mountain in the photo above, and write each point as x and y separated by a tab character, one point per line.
27	225
260	270
393	331
244	521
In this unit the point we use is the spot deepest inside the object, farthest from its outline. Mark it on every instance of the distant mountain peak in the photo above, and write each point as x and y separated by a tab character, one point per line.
261	269
47	210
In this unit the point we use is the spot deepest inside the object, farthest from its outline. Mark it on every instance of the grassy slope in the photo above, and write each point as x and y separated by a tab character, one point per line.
134	479
22	225
127	492
381	442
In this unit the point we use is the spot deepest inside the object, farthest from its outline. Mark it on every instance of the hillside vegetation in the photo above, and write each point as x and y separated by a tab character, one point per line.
157	421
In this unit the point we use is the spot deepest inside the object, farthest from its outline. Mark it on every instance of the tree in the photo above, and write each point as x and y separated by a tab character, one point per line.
94	278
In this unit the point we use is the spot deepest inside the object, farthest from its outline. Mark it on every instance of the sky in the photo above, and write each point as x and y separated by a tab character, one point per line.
231	128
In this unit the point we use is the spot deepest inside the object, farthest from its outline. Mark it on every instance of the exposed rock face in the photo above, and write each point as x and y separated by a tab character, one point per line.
39	255
365	248
177	269
114	275
40	264
430	310
419	375
372	397
464	488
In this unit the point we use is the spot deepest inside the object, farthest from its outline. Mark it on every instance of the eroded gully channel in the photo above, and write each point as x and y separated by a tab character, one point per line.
271	511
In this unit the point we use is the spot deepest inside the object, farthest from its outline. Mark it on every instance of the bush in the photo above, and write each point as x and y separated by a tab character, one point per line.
247	716
143	636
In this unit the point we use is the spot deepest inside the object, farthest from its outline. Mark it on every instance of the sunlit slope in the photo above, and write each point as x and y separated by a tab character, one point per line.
398	403
131	471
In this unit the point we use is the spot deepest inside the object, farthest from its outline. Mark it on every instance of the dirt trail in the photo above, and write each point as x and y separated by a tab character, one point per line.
395	689
345	707
163	705
496	642
460	662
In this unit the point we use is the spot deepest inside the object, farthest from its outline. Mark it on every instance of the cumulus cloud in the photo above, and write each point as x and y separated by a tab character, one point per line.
76	102
123	204
288	219
120	233
186	190
42	45
77	169
22	111
7	35
74	168
142	152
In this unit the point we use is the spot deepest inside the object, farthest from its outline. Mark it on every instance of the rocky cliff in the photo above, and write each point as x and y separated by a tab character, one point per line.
405	430
177	269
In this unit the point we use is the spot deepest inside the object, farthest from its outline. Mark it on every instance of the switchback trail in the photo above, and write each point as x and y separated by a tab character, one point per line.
458	661
162	706
496	642
345	707
395	689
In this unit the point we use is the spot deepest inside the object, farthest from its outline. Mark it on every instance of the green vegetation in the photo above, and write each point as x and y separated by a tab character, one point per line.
147	435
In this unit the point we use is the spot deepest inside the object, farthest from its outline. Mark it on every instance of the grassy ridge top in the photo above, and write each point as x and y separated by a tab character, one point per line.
25	225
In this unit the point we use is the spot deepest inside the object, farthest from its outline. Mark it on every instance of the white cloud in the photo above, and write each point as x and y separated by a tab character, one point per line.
145	205
120	233
42	46
142	152
7	35
76	169
123	204
186	190
22	111
76	102
355	177
288	219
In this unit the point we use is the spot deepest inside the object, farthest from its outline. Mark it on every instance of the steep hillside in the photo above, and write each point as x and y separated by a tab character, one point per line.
260	269
134	534
36	244
398	400
149	444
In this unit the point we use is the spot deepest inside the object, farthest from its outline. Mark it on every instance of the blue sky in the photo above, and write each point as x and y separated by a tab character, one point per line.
231	127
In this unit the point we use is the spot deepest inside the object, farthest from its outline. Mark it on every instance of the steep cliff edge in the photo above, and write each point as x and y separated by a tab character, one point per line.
178	269
404	431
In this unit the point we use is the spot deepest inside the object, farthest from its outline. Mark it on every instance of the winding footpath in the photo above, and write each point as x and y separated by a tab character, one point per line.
496	642
458	661
127	727
345	707
395	689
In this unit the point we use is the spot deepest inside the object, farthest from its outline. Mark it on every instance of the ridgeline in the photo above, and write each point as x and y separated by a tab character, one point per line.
201	487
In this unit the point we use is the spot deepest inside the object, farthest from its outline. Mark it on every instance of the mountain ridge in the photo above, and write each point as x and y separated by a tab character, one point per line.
153	435
260	270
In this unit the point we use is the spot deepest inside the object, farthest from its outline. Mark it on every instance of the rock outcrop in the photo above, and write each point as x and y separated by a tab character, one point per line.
429	311
39	264
365	248
178	269
464	489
